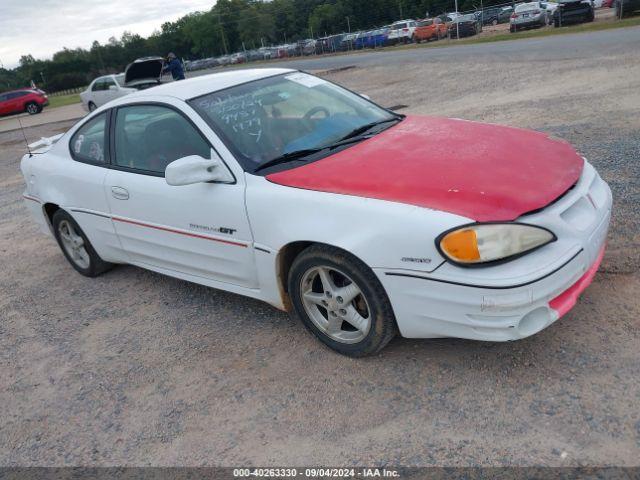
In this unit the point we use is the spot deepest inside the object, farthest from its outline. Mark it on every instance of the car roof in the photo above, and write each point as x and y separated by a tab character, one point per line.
194	87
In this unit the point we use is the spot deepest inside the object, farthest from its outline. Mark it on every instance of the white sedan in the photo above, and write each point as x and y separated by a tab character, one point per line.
102	90
281	186
139	74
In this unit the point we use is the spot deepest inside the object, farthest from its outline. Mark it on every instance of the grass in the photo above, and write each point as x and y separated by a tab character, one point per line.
62	100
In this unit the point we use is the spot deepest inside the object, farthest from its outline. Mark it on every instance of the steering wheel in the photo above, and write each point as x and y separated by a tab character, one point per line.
307	116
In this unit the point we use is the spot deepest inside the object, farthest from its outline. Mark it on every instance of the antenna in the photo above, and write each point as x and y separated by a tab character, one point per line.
25	137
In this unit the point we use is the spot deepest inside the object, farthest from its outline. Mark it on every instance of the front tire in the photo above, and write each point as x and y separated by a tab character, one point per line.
341	301
76	246
32	108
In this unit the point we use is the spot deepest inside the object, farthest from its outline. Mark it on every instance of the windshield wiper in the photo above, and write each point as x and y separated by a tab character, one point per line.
287	157
368	126
305	152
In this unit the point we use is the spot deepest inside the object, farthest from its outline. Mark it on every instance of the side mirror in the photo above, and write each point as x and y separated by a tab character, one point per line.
365	96
195	169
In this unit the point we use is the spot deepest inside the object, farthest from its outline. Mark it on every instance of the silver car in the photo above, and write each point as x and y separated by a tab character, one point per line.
528	15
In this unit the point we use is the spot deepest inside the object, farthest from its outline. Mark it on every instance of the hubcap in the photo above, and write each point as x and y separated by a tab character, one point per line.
31	108
335	304
73	244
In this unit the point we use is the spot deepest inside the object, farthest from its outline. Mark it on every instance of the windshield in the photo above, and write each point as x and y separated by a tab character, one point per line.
263	120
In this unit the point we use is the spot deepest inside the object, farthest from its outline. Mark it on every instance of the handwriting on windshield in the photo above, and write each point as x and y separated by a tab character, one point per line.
240	113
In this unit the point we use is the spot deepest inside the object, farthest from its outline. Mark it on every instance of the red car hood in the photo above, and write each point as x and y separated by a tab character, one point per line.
481	171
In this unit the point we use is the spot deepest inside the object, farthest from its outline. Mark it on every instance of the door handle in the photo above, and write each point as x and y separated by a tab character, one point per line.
120	193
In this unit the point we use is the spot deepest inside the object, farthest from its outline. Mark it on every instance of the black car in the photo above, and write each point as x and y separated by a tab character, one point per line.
628	7
490	16
573	11
467	25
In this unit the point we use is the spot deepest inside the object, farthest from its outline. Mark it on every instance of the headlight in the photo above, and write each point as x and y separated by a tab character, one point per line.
491	242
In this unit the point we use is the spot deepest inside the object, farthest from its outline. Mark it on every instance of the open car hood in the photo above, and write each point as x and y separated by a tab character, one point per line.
143	70
481	171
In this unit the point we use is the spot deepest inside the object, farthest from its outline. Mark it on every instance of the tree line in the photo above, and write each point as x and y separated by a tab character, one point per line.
229	26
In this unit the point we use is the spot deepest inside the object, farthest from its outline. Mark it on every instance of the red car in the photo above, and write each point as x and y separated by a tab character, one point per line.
31	101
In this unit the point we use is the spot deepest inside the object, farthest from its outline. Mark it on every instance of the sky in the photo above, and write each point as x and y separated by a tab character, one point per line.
42	27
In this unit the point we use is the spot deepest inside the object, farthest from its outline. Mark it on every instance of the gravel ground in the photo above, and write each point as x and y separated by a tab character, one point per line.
139	369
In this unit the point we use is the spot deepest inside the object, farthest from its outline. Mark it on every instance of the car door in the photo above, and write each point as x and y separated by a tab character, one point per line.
13	103
4	104
110	89
98	92
201	229
82	184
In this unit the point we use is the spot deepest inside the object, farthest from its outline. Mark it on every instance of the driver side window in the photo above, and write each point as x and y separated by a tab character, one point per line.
98	85
150	137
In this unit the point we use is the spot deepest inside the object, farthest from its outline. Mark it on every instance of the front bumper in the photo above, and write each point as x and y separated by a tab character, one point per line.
503	303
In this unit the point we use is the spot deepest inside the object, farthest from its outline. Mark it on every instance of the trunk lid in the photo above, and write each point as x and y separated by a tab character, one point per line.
143	71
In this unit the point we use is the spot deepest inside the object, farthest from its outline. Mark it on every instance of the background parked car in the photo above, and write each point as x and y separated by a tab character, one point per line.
550	8
140	74
430	29
505	14
401	32
573	11
490	16
528	15
466	25
626	8
348	41
328	44
104	89
29	100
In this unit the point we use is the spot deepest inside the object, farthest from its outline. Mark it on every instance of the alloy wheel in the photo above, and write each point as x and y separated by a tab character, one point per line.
73	244
335	304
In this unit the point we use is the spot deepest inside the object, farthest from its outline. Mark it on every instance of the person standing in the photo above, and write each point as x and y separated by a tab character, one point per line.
174	66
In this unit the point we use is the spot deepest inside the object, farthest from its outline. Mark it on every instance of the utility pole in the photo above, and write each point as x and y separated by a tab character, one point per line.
457	23
400	6
349	27
224	41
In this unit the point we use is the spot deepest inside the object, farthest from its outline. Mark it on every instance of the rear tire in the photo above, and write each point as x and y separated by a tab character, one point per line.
32	108
92	106
76	247
341	301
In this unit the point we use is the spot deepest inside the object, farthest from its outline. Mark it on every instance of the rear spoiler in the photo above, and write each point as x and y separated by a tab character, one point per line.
45	141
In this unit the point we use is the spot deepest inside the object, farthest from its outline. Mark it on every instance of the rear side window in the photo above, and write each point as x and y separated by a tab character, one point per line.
150	137
98	85
88	144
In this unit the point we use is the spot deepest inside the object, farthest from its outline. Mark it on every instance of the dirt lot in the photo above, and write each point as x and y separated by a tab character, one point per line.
138	369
